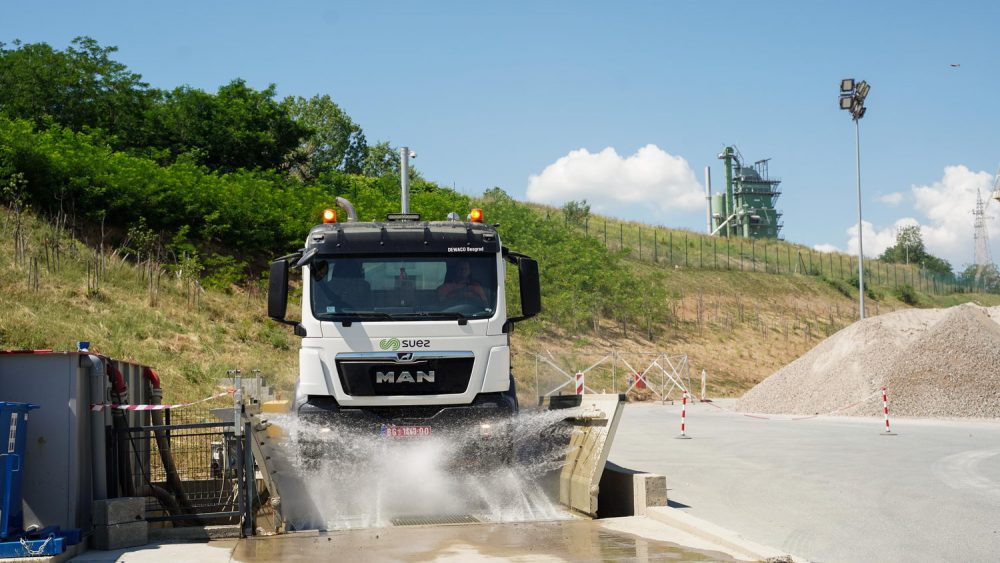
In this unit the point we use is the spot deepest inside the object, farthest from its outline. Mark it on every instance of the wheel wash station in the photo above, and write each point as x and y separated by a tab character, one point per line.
391	357
94	463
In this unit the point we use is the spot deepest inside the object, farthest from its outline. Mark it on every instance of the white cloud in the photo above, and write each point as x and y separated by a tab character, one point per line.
825	248
895	198
876	241
611	182
945	218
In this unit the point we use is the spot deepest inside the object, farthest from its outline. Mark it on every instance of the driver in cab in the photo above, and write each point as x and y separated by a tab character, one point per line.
459	286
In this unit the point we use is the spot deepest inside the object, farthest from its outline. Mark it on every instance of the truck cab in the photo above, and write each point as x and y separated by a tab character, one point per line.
404	323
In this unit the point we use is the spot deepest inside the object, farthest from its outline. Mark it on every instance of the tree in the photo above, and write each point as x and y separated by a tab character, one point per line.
335	143
985	278
909	245
381	160
81	87
909	249
238	127
576	212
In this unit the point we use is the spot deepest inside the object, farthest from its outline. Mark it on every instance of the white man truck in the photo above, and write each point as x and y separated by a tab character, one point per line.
404	323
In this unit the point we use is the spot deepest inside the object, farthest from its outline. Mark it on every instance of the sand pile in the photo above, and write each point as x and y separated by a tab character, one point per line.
935	362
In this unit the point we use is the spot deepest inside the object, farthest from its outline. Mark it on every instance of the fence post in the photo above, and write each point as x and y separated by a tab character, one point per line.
640	243
621	236
249	483
685	250
656	258
670	248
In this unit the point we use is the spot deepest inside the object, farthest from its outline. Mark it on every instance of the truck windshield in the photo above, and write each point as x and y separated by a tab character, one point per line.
403	287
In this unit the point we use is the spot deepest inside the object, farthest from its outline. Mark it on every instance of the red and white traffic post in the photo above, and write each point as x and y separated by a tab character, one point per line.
684	402
579	383
885	409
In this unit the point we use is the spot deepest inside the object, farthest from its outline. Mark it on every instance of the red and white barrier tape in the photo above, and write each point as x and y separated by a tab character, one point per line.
123	407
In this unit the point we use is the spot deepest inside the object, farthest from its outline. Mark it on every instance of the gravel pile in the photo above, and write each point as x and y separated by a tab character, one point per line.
935	362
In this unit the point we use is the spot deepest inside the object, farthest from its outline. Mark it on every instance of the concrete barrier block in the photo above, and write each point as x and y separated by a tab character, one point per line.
648	490
119	536
124	510
626	492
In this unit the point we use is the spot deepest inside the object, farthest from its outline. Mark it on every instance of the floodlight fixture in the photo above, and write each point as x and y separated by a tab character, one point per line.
861	91
847	85
846	101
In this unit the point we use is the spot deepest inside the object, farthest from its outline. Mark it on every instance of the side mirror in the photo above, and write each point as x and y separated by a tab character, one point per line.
531	288
277	290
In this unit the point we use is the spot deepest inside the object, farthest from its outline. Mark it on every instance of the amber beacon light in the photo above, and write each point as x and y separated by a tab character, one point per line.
329	216
476	215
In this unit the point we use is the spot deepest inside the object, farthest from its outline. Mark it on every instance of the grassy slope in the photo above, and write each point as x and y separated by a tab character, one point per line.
750	324
739	326
191	345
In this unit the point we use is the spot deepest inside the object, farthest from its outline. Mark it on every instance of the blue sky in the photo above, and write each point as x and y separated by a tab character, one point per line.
492	94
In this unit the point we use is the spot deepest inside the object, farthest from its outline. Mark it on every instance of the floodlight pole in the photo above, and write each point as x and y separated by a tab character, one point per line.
852	97
861	253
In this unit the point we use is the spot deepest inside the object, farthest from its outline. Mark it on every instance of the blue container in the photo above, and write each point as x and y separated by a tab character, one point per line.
13	425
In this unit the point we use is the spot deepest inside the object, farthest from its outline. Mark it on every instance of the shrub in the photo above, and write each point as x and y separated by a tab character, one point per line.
907	294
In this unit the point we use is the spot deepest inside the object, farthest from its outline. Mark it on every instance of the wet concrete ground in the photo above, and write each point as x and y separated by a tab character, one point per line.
578	540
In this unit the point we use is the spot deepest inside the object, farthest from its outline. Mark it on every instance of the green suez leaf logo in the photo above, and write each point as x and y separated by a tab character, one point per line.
396	344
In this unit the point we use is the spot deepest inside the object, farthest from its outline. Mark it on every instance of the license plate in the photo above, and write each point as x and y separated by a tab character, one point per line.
393	431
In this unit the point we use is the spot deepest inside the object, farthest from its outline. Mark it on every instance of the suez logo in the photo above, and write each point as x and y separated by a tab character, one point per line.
396	344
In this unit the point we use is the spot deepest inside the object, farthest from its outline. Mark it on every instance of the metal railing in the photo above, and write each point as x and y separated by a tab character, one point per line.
191	474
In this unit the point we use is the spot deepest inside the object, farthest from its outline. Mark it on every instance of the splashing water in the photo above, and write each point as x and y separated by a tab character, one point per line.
332	479
367	480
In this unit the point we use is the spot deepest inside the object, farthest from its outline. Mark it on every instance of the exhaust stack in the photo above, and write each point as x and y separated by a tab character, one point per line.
352	216
404	176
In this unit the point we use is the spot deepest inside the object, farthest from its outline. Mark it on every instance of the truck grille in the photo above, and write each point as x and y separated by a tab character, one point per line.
372	374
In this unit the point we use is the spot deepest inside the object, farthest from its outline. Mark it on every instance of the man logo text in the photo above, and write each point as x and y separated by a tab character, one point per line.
404	377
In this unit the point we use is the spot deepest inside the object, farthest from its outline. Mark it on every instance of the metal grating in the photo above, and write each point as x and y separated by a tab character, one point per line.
434	520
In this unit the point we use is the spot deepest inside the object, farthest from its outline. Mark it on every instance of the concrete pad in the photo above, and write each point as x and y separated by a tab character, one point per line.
572	540
828	488
218	551
118	536
194	533
715	537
